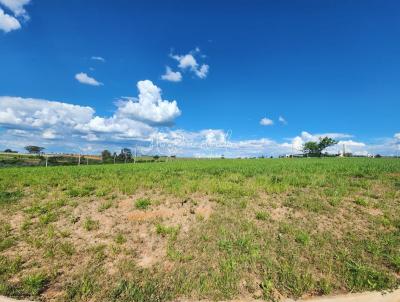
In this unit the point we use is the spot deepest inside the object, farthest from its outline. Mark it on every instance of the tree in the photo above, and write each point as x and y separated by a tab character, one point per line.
316	148
326	142
105	155
10	151
126	153
311	148
34	149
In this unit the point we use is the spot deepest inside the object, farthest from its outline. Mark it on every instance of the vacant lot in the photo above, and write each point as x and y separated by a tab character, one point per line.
200	229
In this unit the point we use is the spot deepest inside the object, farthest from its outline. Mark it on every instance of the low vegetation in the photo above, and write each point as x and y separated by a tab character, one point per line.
200	229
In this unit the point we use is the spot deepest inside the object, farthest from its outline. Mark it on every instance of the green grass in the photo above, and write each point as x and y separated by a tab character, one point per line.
291	227
7	197
361	201
34	284
261	215
105	205
91	225
166	230
142	203
120	239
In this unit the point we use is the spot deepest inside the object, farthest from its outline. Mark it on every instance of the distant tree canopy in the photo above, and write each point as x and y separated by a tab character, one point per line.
124	156
126	153
10	151
34	149
105	155
316	148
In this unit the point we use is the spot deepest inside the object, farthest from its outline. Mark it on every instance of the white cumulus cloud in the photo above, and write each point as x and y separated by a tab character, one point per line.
16	6
83	78
189	62
149	107
298	141
37	119
71	128
202	71
15	13
172	76
351	143
39	113
8	23
266	122
186	61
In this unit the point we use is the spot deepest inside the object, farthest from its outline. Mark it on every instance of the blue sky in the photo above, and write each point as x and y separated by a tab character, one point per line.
324	67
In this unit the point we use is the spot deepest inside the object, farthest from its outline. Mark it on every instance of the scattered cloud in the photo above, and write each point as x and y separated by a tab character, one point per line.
214	137
298	141
47	122
8	23
172	76
351	143
17	7
95	58
60	126
202	71
83	78
38	120
266	122
11	20
186	61
49	134
189	62
29	113
282	120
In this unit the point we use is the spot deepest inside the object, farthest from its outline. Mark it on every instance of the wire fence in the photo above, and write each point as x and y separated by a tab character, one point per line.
48	160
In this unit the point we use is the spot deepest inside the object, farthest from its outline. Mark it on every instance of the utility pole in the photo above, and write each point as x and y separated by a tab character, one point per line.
79	159
47	157
115	155
87	161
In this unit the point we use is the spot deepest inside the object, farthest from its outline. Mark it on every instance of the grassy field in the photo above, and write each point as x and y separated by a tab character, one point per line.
197	229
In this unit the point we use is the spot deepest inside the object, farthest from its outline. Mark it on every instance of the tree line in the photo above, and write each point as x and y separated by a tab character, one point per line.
309	149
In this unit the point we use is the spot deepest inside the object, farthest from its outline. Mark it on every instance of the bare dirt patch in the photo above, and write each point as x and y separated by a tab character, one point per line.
280	213
137	226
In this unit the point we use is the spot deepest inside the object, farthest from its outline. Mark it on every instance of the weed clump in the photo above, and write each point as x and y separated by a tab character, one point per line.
91	225
142	203
34	284
261	215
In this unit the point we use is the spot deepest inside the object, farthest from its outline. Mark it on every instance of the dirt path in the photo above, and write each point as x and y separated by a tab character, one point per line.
362	297
5	299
